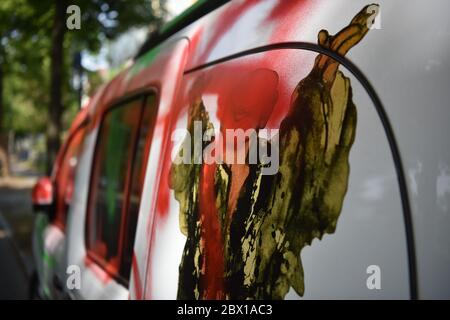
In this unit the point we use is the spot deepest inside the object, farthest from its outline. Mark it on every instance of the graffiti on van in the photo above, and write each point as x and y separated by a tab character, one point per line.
245	230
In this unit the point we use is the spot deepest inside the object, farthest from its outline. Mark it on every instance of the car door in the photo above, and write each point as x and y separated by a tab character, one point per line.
107	227
333	226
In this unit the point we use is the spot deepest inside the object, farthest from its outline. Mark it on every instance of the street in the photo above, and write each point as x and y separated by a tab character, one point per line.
15	237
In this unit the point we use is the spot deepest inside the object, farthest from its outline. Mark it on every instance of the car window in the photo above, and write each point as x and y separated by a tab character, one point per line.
137	182
116	183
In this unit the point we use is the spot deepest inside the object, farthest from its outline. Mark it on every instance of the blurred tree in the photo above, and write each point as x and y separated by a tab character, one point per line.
19	53
36	49
100	20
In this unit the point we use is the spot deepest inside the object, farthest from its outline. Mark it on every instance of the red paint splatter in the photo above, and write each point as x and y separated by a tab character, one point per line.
98	271
136	279
211	235
222	24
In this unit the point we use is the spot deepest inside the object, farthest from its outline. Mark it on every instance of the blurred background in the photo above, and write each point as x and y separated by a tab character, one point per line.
47	72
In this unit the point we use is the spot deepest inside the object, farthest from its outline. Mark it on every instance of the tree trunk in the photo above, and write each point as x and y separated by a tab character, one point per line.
4	163
1	93
56	84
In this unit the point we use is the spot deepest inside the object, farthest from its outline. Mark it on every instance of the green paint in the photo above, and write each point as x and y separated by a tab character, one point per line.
47	261
41	223
143	62
147	59
169	26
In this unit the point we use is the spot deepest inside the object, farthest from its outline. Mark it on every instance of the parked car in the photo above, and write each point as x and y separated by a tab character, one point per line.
260	150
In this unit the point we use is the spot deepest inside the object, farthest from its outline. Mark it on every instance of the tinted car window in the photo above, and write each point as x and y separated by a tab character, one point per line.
137	182
116	184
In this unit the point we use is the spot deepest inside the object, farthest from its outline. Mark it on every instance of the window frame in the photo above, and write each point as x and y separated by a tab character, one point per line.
91	256
59	219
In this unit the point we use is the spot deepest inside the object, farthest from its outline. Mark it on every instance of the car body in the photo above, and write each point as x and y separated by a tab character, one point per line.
360	192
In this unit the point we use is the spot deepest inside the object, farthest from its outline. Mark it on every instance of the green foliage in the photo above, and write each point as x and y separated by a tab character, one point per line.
26	43
107	19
